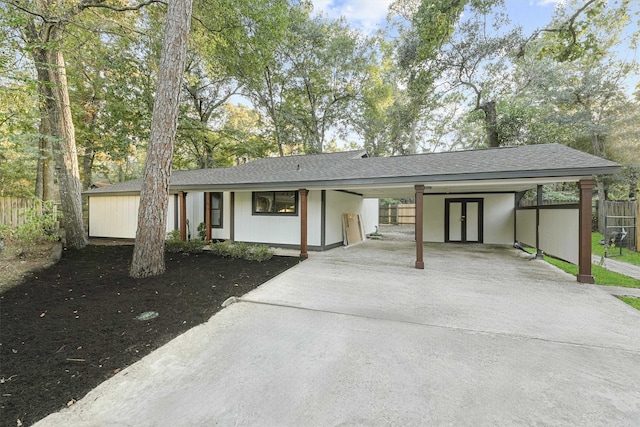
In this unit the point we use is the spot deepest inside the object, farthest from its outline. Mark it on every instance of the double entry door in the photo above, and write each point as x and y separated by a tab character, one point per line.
463	220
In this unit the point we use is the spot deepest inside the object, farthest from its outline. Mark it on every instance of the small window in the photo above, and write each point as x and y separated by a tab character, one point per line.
275	203
216	210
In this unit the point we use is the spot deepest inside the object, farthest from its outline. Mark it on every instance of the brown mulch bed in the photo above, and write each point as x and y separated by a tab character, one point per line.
69	327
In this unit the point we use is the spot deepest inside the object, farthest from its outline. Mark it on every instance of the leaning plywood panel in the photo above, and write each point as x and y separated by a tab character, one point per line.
352	228
337	203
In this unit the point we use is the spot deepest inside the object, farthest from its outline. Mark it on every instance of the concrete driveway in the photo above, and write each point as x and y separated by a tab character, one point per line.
356	336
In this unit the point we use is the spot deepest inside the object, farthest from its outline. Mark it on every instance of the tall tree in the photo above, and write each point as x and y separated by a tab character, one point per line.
148	253
230	44
43	24
268	77
477	59
330	64
205	90
44	33
305	84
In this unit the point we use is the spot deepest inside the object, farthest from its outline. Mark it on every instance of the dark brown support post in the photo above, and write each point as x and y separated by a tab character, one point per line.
182	197
232	203
584	232
419	226
303	222
539	201
207	215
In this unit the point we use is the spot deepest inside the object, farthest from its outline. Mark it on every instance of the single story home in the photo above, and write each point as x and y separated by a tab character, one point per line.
299	201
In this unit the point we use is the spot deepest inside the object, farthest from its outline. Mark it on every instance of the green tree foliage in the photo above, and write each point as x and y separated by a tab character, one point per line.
305	86
206	90
330	64
476	60
42	27
111	75
235	135
18	120
228	45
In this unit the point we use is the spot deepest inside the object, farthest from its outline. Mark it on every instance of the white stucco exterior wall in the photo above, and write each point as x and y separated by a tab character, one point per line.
117	216
275	229
526	226
370	214
195	213
339	203
433	219
498	217
559	231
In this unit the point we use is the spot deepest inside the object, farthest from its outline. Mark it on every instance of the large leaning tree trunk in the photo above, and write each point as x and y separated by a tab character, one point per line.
65	153
57	129
491	123
148	253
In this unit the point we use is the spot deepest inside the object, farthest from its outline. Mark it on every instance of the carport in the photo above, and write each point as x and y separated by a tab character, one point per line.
458	196
464	217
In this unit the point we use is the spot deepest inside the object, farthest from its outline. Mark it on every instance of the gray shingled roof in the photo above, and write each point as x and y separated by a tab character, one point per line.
354	168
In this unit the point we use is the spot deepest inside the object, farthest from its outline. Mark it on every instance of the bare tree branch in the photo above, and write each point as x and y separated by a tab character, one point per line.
46	19
101	4
567	26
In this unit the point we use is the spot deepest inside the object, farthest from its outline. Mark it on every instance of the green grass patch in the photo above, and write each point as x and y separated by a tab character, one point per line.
601	275
629	256
633	302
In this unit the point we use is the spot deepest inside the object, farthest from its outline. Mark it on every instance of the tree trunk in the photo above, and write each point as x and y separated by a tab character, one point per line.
64	145
491	123
598	150
148	253
87	166
45	186
602	196
45	182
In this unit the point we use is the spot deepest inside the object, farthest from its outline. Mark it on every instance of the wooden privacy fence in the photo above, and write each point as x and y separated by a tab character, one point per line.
13	210
619	215
400	214
620	208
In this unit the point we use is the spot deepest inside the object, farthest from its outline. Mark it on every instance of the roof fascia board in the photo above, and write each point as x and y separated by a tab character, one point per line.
112	193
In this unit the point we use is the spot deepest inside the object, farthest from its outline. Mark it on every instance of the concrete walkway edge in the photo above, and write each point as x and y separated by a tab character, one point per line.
621	267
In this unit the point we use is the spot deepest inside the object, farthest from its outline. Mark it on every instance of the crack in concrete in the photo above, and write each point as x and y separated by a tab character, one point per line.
455	328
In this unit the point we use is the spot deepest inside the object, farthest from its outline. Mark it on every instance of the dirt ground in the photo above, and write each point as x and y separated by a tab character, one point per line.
14	266
68	327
